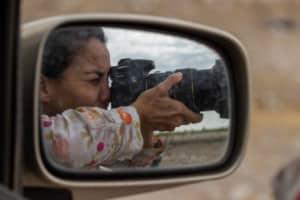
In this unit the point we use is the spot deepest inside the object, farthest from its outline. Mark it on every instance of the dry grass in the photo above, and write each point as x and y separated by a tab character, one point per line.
286	118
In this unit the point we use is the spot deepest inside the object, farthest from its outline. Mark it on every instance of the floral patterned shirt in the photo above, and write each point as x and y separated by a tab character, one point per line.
93	137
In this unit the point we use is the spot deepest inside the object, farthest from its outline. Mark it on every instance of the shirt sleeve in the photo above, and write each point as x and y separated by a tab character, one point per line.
91	136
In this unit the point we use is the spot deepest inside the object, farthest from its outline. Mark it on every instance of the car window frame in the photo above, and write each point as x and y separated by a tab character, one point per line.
11	108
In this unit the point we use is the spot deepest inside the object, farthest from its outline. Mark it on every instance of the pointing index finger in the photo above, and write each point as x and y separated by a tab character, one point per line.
170	81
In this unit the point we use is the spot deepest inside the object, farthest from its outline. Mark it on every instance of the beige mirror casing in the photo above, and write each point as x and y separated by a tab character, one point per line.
33	37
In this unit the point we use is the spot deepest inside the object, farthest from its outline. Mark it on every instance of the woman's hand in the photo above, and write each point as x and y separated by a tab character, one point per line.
157	111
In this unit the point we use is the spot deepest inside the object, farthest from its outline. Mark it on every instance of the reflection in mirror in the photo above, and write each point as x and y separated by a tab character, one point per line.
124	98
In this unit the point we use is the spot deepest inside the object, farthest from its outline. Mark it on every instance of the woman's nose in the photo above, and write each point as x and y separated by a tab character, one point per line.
105	95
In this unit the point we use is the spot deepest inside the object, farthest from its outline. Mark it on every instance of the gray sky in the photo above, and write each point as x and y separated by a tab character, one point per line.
168	52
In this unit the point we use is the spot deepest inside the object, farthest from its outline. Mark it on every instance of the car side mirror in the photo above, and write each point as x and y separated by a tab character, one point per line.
77	136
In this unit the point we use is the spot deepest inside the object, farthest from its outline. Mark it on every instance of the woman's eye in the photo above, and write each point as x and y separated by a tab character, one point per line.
95	81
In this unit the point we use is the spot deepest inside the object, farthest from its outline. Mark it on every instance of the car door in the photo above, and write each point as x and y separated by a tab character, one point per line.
10	125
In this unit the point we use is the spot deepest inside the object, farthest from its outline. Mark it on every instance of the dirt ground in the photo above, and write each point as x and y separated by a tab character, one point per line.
197	149
269	29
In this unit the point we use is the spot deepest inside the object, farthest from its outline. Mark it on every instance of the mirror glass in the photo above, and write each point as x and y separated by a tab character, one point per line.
116	98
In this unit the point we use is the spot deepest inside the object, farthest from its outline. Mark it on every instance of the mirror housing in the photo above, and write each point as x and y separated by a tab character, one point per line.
34	36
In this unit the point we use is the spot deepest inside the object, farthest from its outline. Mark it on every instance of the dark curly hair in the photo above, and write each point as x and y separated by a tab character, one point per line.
63	44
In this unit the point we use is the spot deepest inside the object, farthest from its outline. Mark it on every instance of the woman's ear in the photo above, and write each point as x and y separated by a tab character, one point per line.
44	90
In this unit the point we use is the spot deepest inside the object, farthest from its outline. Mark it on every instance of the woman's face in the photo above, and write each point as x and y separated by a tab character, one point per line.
84	82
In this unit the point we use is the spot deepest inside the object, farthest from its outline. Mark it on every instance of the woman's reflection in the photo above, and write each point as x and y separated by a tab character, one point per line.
78	131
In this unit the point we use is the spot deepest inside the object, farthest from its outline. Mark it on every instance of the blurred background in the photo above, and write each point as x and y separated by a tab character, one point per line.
270	31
